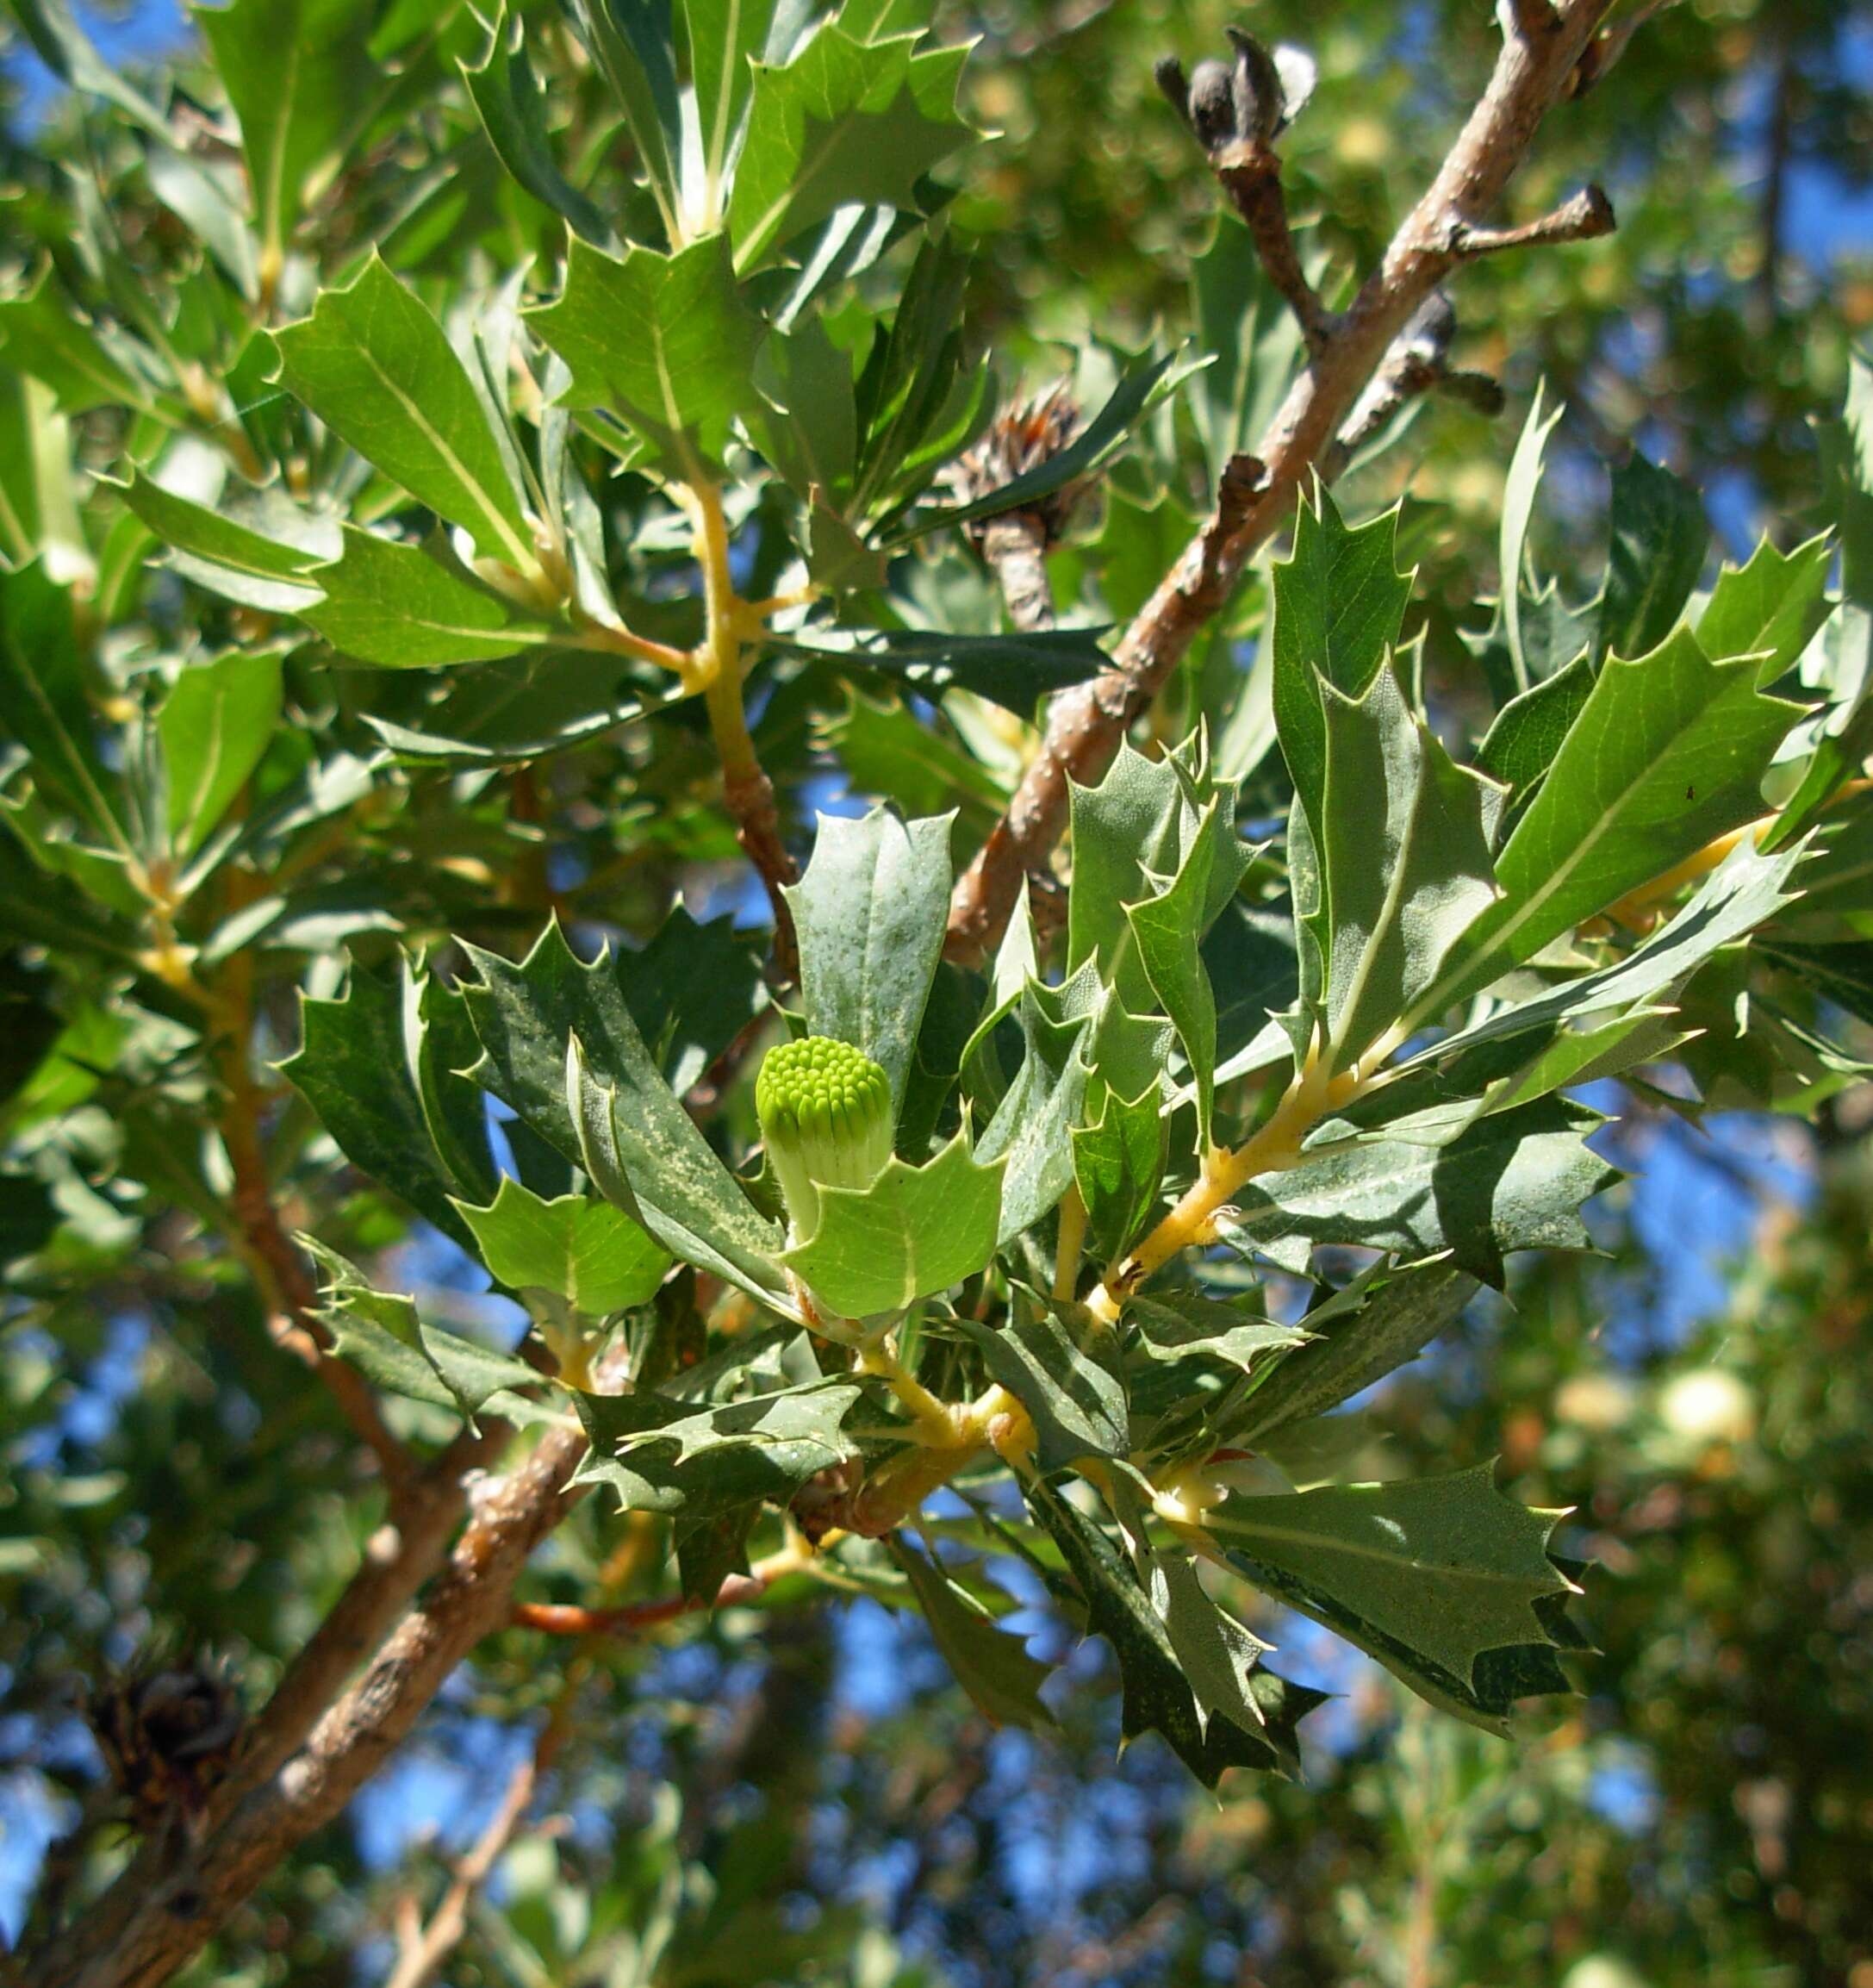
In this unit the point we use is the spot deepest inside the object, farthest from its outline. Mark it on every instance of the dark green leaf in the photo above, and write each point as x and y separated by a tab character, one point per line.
1062	1365
1033	1125
1425	1576
378	1066
1360	1334
663	1455
1513	1181
1157	1695
1003	1681
1014	671
560	1046
1660	535
381	1335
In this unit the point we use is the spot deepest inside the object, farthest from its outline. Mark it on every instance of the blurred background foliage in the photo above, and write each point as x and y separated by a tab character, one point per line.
803	1795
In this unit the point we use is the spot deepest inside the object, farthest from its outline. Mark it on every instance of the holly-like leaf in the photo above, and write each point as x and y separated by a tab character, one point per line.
664	1454
1339	605
1158	1697
1219	1658
379	1066
1014	671
294	70
1427	1576
915	1232
1531	728
588	1252
1403	867
1167	929
375	368
382	1335
1062	1365
1660	535
505	92
1770	606
1513	1181
1118	1163
45	707
402	608
664	343
844	122
1133	836
1668	753
684	997
215	724
993	1667
1355	1338
1176	1324
561	1046
871	912
1032	1128
807	424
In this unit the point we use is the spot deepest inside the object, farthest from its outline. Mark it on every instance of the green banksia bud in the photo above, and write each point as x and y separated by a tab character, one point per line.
826	1114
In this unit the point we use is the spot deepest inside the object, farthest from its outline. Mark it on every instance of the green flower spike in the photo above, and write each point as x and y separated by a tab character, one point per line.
825	1113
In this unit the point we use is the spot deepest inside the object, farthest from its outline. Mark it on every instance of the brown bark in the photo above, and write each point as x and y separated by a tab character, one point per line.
166	1906
1535	71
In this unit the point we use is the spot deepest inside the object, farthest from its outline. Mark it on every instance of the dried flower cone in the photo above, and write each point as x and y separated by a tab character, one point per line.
1025	435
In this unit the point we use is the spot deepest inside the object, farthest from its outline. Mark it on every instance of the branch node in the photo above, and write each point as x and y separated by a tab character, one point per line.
1585	217
1534	20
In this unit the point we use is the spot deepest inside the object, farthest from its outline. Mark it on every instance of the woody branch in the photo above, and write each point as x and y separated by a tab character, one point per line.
1545	45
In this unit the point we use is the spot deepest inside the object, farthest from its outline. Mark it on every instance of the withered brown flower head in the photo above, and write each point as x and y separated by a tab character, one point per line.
1023	436
168	1734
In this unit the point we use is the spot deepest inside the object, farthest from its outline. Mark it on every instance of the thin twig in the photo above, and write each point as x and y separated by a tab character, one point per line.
277	1265
1586	216
1085	725
568	1618
423	1949
1014	546
747	793
1250	173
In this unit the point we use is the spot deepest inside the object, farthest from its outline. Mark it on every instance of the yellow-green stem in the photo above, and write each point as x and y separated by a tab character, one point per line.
1275	1147
1072	1240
